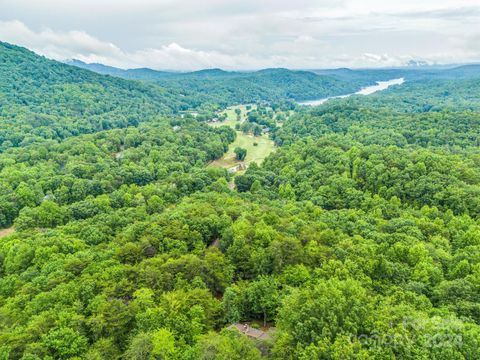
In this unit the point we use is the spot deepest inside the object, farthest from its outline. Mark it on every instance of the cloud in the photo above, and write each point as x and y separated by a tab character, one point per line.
57	45
245	34
376	57
82	46
460	13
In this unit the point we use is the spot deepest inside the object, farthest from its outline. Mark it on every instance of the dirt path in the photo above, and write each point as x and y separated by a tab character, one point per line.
6	232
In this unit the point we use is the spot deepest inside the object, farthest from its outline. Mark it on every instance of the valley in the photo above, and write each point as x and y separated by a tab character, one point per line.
131	231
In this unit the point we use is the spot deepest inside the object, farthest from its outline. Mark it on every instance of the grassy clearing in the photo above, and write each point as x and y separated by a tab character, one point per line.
243	108
254	153
231	121
232	117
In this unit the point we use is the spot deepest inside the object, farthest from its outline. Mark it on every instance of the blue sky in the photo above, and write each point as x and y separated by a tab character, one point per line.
190	35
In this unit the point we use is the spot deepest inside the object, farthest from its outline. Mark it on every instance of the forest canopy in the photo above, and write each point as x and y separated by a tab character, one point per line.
357	238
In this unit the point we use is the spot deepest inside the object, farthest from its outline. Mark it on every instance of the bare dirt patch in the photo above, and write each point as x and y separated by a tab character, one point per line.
6	232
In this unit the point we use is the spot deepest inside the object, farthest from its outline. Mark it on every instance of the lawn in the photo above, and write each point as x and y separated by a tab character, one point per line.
232	117
254	153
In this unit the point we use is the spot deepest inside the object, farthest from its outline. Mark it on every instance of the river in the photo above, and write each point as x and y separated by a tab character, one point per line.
381	85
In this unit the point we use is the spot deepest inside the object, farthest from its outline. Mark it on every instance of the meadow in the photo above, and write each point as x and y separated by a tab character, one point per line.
258	147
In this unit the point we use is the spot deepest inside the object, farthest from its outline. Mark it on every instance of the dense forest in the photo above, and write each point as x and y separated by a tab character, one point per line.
357	238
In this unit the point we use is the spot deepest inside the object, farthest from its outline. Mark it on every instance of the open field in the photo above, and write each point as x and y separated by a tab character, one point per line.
232	117
230	121
231	111
254	153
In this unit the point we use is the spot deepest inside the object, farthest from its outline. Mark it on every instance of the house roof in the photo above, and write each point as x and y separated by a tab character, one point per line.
251	332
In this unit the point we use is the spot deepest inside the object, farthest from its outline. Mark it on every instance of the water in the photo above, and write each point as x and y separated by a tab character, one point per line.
381	85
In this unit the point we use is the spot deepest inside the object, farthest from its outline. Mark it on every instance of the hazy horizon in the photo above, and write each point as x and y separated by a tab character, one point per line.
432	66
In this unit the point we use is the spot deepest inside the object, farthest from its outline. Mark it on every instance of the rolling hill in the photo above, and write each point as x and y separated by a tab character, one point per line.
233	87
43	99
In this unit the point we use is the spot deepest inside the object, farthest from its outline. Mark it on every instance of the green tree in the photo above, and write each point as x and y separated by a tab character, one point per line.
322	313
163	345
240	153
257	130
49	214
140	347
65	342
228	345
263	297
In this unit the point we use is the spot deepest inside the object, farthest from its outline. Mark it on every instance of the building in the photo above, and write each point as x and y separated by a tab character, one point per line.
251	332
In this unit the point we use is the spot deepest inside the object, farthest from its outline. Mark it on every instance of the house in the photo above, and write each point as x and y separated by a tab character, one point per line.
239	167
191	113
251	332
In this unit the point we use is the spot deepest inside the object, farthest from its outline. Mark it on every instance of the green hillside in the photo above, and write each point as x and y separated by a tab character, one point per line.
42	99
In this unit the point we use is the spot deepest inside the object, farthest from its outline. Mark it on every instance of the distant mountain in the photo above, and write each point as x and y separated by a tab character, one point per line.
210	73
366	76
414	69
149	74
230	87
139	73
264	85
416	72
464	71
98	68
449	72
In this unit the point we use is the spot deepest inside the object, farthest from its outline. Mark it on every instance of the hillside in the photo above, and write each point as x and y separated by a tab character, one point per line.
41	99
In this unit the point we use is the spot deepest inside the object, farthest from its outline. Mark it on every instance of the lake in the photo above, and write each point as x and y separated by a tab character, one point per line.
381	85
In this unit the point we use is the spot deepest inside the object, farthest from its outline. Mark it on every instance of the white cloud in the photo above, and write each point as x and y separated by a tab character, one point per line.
385	60
247	34
57	45
82	46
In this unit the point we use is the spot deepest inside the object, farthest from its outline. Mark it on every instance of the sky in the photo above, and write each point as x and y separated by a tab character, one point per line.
245	35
